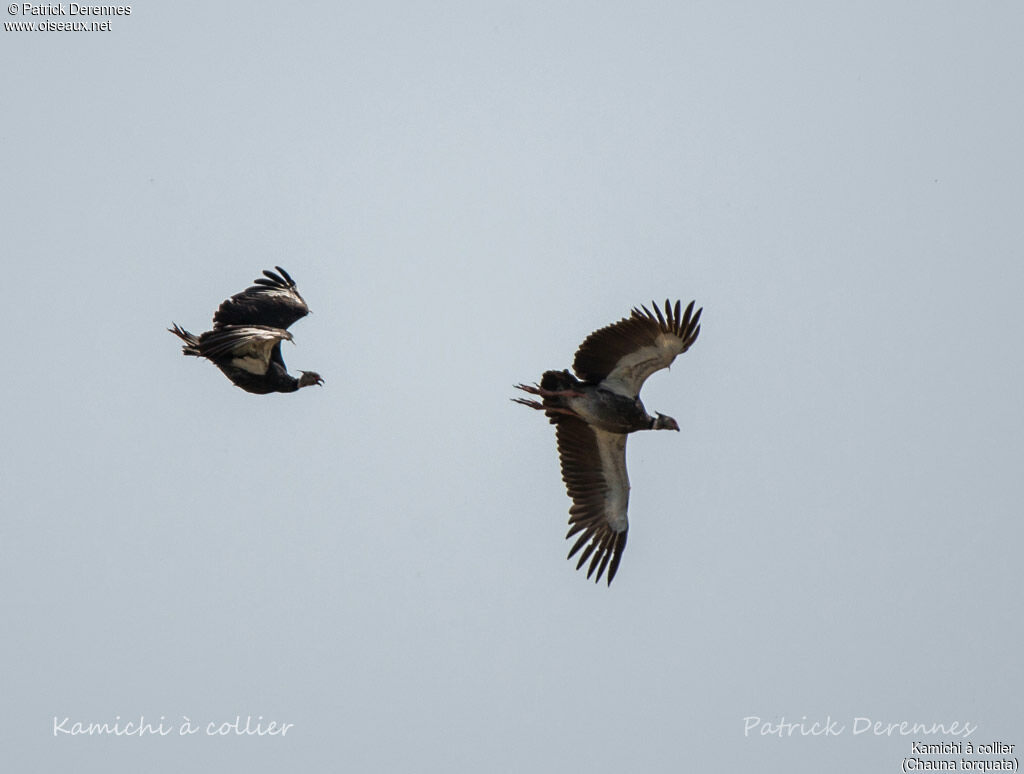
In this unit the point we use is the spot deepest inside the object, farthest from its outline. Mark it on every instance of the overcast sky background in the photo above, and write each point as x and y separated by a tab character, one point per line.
463	192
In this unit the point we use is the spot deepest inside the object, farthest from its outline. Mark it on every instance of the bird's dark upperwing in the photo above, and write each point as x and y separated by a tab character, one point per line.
594	471
248	347
273	301
621	356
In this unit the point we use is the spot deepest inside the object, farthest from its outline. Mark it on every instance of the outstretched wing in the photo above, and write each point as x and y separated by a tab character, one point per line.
273	301
248	347
594	471
621	356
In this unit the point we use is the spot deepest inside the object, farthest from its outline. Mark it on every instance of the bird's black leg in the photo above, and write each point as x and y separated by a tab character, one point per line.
536	389
541	407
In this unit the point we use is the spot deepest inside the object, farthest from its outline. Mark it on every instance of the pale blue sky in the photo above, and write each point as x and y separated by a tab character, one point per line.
463	193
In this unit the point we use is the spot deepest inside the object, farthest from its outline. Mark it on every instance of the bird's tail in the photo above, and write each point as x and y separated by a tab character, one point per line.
557	381
191	346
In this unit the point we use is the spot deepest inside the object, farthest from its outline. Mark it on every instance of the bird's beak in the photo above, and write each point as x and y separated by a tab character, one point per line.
668	423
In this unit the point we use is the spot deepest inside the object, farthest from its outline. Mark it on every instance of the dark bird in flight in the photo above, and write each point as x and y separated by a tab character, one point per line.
594	413
248	329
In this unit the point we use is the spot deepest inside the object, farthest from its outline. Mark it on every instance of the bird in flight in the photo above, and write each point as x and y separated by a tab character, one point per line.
248	328
593	413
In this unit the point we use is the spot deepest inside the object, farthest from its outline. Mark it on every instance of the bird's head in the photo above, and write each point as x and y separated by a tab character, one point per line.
309	378
662	422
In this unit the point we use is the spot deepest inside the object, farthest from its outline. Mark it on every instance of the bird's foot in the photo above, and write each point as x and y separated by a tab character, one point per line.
531	403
